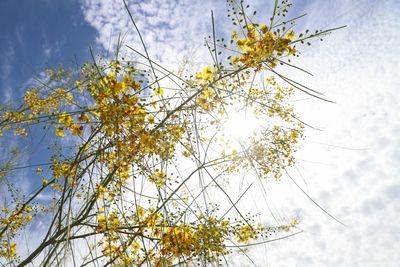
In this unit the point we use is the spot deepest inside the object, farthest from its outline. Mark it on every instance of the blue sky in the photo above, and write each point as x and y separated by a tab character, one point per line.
351	167
39	34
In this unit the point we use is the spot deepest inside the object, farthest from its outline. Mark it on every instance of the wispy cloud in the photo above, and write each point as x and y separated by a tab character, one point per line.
7	59
357	68
171	29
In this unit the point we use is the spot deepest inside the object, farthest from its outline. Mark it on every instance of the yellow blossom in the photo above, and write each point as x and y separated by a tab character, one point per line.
60	132
159	91
66	119
20	131
263	28
290	35
39	170
77	129
135	246
158	178
13	250
206	74
235	60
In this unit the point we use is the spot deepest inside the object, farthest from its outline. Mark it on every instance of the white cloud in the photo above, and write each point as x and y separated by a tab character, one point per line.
356	67
169	28
7	58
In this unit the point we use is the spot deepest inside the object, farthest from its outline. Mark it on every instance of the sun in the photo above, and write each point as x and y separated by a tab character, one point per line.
241	125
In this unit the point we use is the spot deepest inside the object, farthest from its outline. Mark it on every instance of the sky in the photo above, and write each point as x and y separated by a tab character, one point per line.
40	34
350	166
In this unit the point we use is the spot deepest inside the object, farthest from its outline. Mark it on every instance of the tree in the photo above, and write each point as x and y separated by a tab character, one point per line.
141	157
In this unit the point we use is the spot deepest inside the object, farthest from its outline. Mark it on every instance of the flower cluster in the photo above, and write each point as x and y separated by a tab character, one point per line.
261	45
205	238
12	221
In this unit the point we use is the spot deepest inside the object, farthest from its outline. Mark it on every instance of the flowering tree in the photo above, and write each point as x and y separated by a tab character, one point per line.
142	156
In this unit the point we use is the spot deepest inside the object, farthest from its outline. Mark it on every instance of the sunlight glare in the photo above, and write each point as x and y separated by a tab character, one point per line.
241	125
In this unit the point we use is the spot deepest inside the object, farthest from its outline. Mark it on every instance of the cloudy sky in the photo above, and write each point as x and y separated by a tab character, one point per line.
350	166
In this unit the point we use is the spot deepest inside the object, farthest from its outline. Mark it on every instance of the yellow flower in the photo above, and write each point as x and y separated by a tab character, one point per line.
234	34
150	118
78	83
100	191
84	118
66	119
291	50
66	170
207	74
158	178
240	43
76	129
13	250
235	60
158	91
60	132
246	233
140	211
45	182
39	170
263	28
290	35
28	209
20	131
294	135
57	171
135	246
101	218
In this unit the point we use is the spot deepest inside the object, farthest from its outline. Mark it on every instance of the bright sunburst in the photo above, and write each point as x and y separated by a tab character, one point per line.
240	125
